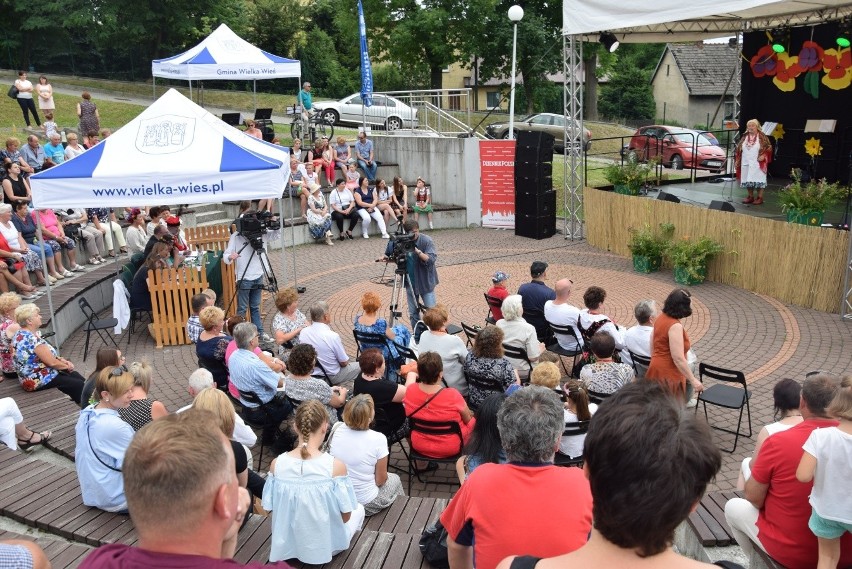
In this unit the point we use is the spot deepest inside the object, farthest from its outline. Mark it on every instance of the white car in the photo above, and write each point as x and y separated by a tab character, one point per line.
386	111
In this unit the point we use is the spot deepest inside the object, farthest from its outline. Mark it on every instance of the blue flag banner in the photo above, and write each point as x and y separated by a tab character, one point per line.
366	67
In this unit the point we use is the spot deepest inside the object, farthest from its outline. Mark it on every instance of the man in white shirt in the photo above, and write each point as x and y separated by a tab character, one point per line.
638	338
200	380
249	273
331	354
561	313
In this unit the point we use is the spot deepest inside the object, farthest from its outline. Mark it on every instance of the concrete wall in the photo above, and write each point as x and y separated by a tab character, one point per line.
449	165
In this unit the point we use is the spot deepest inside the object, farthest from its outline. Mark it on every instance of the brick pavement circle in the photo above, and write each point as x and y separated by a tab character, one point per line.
731	327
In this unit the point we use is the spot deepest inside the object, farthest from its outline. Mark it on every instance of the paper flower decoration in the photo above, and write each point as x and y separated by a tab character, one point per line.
786	70
813	147
837	64
778	133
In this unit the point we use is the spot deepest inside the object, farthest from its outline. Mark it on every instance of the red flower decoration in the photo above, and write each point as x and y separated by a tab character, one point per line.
763	64
836	62
787	69
811	56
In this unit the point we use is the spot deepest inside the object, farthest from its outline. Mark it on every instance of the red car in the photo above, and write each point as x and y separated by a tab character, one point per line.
677	147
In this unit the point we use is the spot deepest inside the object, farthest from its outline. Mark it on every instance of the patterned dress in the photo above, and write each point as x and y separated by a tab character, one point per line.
380	327
138	414
486	370
33	373
88	119
318	224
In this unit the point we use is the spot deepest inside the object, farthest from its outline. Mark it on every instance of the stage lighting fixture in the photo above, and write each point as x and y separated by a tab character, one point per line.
609	41
843	34
780	37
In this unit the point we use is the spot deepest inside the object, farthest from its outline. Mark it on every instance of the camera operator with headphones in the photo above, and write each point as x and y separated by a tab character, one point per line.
247	246
419	266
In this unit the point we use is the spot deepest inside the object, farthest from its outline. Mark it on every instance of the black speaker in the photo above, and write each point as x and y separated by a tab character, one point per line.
263	114
535	205
533	154
533	176
535	227
232	119
721	206
668	197
539	144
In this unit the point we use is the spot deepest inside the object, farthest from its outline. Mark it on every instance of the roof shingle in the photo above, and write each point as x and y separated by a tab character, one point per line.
706	68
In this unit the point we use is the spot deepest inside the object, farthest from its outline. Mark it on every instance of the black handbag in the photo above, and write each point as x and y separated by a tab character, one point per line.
13	92
433	545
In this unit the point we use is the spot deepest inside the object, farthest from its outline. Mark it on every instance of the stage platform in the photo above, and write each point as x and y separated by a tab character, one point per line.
702	192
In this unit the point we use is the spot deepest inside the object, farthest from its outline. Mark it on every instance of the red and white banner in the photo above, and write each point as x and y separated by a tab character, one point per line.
497	171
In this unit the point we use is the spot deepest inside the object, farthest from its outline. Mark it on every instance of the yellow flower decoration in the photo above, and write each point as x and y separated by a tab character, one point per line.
786	71
813	147
778	133
837	64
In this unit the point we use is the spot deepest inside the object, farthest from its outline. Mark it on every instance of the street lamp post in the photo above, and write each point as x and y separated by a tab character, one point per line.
516	14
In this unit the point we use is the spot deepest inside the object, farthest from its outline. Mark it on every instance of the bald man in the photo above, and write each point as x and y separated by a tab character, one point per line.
560	312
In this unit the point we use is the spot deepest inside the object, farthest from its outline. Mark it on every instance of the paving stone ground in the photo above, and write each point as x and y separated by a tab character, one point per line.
730	327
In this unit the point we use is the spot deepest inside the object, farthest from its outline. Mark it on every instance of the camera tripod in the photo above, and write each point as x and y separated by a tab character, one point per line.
265	265
400	282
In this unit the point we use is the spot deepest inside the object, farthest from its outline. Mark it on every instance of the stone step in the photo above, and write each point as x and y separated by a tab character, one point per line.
204	218
203	208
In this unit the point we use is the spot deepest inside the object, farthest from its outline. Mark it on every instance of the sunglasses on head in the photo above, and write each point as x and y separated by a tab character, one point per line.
117	371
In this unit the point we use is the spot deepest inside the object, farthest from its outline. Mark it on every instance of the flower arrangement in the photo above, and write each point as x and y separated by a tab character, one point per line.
689	258
811	196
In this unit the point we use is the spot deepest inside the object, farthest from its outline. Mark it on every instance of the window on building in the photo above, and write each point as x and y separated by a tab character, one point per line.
492	99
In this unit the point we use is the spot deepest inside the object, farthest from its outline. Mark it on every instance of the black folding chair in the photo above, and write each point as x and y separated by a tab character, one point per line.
95	324
433	428
726	396
569	331
571	429
484	383
471	332
596	397
322	374
519	354
493	302
366	340
452	329
640	364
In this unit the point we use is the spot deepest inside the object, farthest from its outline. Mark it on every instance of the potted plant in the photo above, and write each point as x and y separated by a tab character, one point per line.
806	202
627	178
689	258
648	246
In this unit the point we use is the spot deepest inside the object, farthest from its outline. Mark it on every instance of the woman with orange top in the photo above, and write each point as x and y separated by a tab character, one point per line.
669	345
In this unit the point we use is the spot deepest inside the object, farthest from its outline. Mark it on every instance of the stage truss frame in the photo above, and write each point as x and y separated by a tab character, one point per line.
572	153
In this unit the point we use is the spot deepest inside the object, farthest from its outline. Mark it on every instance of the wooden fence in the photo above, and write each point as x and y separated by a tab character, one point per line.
215	238
171	291
794	263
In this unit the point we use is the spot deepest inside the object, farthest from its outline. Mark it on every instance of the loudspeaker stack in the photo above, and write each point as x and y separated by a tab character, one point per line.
535	199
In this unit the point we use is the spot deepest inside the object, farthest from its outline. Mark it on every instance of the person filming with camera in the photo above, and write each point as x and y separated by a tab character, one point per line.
422	276
247	246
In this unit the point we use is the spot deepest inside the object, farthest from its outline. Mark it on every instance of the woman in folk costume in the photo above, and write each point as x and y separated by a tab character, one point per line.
754	152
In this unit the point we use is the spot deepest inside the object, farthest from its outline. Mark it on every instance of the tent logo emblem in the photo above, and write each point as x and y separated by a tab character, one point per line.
165	134
231	45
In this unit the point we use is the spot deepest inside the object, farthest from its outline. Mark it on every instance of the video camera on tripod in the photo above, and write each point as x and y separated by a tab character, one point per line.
403	243
253	226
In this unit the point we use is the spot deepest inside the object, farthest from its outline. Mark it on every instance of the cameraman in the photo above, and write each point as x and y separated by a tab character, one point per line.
249	273
420	269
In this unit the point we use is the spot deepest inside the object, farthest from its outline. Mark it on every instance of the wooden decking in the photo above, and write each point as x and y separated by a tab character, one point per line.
708	520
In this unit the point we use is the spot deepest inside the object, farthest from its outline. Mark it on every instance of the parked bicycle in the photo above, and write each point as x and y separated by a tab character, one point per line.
317	126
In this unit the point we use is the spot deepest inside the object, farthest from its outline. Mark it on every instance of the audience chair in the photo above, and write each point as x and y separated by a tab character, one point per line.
261	424
566	330
365	340
95	324
322	374
493	302
727	396
597	398
470	332
418	330
571	429
393	439
484	383
452	329
519	354
434	428
819	372
640	364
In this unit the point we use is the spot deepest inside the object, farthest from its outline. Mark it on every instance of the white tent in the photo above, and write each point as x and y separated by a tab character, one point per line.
675	20
174	152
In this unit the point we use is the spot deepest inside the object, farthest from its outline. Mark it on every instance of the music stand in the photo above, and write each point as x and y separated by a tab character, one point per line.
232	119
263	114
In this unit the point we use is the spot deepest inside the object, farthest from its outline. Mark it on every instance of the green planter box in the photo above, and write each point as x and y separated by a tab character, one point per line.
626	190
682	276
805	218
643	264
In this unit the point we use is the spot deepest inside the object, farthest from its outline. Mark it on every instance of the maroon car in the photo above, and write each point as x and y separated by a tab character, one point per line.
677	148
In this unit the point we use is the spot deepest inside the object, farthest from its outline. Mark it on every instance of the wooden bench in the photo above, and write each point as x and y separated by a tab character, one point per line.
708	520
390	538
62	555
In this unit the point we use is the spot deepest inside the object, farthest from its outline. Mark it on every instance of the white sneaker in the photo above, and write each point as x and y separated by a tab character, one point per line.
431	226
365	236
385	236
267	338
692	403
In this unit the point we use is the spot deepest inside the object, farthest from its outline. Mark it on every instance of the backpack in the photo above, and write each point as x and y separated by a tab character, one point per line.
433	545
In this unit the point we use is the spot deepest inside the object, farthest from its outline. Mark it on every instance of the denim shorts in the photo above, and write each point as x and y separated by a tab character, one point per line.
827	529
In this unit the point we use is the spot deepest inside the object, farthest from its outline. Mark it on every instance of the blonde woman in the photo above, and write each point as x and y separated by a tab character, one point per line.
102	439
142	410
314	509
365	454
73	149
9	302
752	157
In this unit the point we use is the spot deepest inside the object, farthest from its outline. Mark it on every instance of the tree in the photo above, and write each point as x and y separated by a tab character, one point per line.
628	94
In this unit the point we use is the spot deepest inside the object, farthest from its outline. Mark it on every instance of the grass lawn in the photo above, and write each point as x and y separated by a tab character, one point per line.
113	115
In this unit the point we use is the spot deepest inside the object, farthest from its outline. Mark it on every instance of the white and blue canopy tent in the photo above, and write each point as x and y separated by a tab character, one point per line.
174	152
223	55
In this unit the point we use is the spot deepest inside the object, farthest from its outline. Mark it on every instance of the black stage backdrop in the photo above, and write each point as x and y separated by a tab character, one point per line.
762	99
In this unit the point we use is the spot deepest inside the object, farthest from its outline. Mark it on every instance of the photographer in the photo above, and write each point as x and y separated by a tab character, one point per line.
247	247
419	266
